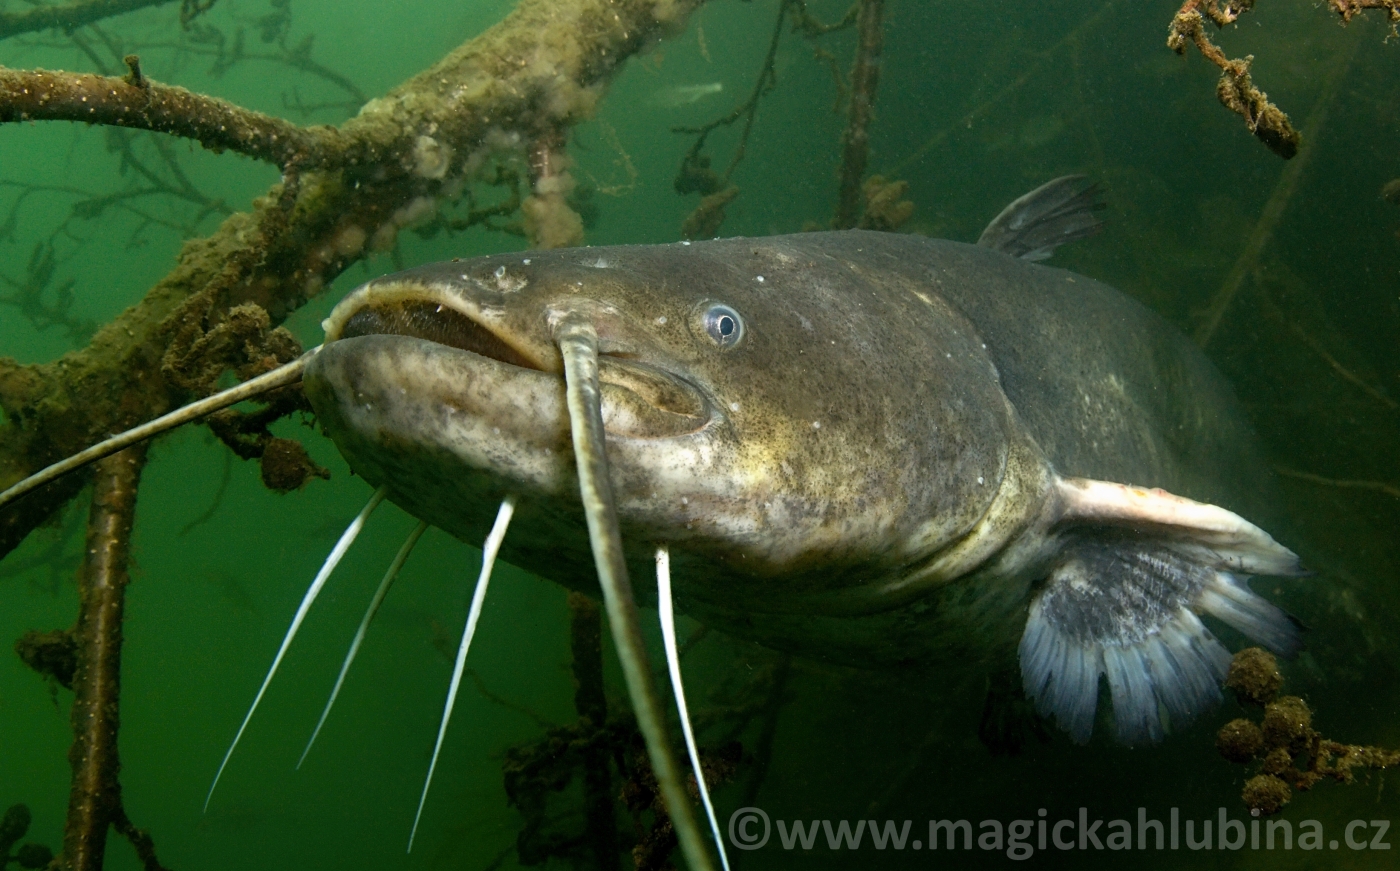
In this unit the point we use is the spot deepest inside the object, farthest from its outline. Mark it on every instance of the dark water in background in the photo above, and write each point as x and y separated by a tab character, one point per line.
977	105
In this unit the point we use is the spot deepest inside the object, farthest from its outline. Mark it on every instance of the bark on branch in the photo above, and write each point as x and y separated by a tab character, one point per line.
138	102
95	798
540	70
68	16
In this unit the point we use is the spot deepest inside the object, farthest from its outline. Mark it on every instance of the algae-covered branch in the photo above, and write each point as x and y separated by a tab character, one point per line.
540	70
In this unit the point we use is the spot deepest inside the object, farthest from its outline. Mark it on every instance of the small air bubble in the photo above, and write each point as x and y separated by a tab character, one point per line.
661	321
500	272
526	261
816	424
733	406
685	501
686	243
759	279
980	480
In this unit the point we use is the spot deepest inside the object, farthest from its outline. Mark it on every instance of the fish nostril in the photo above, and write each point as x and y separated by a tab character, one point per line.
434	323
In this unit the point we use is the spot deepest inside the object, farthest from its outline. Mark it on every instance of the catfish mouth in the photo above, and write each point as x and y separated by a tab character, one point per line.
639	400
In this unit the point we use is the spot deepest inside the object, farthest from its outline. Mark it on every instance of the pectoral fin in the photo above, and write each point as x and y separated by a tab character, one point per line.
1121	599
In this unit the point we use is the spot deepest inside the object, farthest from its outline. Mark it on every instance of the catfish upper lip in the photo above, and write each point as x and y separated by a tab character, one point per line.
640	399
434	322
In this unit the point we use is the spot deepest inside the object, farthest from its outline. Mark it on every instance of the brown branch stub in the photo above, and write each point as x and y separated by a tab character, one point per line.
1236	90
133	75
137	102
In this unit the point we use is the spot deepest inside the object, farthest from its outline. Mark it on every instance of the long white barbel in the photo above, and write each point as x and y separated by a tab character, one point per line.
288	373
578	344
373	609
488	560
346	539
666	609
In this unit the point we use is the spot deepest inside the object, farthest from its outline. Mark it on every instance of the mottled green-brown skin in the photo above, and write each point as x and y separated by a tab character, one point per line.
865	476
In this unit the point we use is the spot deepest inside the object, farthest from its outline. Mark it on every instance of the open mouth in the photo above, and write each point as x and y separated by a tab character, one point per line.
433	322
639	400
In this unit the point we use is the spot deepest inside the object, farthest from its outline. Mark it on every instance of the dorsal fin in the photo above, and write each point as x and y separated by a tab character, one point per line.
1034	225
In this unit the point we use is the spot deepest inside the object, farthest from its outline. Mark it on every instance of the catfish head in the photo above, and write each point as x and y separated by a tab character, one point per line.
799	431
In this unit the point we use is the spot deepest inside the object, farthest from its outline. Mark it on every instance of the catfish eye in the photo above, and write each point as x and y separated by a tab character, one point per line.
722	324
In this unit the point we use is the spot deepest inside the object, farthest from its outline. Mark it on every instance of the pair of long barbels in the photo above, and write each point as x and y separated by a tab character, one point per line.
578	344
393	572
346	539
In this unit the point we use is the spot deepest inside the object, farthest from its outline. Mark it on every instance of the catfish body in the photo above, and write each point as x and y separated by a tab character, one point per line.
868	447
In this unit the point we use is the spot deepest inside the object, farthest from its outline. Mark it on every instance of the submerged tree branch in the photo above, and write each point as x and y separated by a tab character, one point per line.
138	102
855	142
1236	89
68	16
95	798
541	69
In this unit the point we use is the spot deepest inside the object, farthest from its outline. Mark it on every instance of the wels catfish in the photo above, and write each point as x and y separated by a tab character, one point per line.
869	447
874	448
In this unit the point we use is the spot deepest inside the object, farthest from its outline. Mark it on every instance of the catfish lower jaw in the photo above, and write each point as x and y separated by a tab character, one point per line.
376	394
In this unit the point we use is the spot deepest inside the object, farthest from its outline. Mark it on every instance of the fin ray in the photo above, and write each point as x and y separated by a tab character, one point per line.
1035	224
1122	605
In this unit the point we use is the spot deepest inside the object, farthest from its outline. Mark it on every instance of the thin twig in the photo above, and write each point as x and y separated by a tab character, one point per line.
855	142
1032	70
1316	347
1343	483
1263	230
68	16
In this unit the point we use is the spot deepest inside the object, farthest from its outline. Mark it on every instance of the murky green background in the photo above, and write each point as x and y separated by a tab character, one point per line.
978	103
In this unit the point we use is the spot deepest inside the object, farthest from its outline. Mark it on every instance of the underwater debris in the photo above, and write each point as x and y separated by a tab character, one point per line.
855	140
1254	676
550	222
1236	90
608	756
13	826
1292	754
705	221
884	205
53	654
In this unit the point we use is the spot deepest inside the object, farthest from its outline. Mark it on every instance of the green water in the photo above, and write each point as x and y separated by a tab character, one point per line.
977	104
